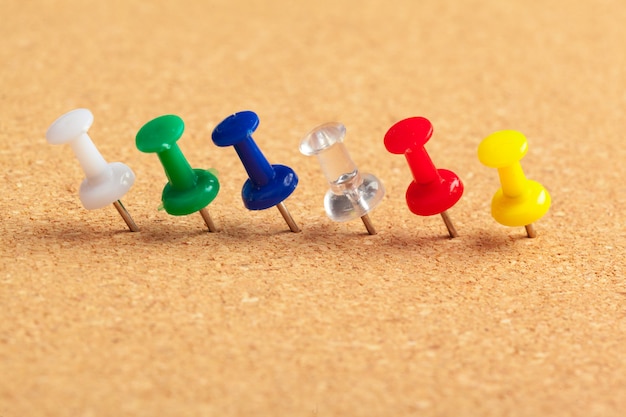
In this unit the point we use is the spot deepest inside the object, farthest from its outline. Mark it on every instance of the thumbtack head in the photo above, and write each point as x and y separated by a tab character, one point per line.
322	137
408	134
69	126
160	134
502	149
235	128
107	188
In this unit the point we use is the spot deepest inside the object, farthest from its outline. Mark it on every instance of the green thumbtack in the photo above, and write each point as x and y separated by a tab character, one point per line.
188	190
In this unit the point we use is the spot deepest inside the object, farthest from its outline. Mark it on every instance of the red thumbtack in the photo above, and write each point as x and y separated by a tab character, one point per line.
433	191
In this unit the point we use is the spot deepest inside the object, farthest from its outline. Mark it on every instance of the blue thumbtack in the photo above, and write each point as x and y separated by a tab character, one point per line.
268	185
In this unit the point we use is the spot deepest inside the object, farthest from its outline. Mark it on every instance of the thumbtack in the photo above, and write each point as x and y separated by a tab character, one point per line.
188	190
351	193
104	183
520	201
433	191
267	185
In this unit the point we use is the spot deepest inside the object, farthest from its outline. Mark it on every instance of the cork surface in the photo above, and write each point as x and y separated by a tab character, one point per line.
258	321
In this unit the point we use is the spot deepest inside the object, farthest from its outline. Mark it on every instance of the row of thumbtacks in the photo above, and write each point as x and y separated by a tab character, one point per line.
519	202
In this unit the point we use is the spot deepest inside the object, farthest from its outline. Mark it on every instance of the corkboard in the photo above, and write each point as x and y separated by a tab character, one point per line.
258	321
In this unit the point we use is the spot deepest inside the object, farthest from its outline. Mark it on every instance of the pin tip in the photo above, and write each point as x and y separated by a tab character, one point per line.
207	220
293	226
368	225
448	222
132	226
530	231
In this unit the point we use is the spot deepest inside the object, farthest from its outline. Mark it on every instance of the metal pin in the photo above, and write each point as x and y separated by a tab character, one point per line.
368	224
530	231
125	215
451	229
287	216
207	219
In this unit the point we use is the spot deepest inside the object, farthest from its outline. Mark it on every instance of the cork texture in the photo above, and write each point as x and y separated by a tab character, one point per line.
258	321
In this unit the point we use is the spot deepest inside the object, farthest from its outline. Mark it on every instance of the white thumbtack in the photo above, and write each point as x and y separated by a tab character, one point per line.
105	183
